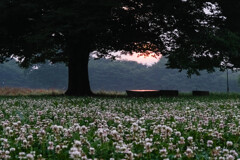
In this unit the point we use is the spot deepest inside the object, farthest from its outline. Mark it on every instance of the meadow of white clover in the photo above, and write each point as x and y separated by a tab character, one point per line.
119	128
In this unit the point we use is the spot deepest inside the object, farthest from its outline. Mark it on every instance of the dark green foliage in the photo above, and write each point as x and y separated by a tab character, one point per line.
230	9
43	30
228	39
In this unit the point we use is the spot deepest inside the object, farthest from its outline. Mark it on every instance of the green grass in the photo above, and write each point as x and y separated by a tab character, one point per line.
119	127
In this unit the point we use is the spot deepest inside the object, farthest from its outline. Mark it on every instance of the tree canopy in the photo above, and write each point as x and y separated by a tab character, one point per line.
68	30
231	31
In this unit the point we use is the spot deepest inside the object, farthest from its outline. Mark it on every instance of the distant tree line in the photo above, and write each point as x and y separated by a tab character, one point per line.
109	75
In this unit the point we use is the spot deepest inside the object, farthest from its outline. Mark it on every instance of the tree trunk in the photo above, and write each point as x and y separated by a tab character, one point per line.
78	80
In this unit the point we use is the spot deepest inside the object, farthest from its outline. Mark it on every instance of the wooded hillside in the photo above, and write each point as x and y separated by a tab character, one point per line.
117	76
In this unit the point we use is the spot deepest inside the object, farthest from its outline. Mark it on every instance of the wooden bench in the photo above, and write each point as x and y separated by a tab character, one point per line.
152	93
143	93
169	93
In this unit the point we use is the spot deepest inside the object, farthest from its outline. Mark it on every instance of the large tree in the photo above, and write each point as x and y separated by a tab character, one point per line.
54	30
211	50
69	30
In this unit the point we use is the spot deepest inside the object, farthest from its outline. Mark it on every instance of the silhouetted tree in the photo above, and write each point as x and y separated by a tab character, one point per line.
210	50
55	30
69	30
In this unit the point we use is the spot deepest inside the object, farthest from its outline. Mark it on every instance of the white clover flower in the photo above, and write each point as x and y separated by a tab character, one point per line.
91	151
135	127
163	152
42	132
190	139
178	154
55	128
189	153
120	128
182	140
21	155
209	143
233	152
75	155
147	147
178	133
143	130
77	143
230	157
51	146
30	157
84	130
30	138
7	152
225	151
58	149
64	146
8	129
12	149
115	135
169	131
229	143
221	158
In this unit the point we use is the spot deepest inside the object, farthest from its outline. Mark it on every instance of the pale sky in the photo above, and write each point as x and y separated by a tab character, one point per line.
141	59
148	61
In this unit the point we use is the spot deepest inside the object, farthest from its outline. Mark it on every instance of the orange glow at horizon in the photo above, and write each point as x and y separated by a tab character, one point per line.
141	58
143	90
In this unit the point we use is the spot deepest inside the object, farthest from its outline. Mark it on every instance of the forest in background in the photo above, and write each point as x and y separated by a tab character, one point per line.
110	75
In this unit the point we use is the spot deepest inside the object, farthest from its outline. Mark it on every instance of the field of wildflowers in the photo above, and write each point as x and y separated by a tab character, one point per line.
119	128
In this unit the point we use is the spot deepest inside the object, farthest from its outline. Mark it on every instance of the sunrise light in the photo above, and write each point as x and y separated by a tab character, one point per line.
144	59
147	59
